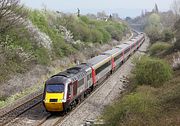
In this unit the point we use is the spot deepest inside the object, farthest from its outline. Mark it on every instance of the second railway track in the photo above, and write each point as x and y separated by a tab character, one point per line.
9	115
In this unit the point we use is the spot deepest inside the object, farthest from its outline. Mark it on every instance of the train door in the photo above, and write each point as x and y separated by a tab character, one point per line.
123	57
70	92
86	81
93	76
113	63
75	88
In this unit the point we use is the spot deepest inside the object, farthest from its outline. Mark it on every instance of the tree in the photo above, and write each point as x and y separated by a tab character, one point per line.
11	14
78	13
156	10
176	8
153	27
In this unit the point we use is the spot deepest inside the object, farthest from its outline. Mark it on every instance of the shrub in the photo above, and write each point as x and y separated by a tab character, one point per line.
106	35
153	33
133	109
96	36
42	56
90	30
152	71
167	35
158	48
85	19
114	31
177	45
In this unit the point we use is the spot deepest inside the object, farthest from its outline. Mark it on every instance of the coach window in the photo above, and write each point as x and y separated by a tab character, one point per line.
127	50
98	70
117	57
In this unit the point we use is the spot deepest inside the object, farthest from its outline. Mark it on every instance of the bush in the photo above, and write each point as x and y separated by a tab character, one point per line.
153	33
106	35
134	109
152	71
167	35
147	106
90	30
42	56
96	36
158	48
177	45
60	48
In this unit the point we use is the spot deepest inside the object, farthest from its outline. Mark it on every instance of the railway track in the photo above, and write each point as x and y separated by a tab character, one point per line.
9	115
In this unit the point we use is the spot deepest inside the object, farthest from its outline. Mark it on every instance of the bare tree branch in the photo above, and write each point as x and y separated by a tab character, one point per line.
11	14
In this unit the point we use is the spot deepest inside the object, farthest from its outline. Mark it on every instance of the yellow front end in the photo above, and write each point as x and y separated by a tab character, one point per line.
53	102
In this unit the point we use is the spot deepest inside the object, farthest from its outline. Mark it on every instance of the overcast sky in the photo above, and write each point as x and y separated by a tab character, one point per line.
122	7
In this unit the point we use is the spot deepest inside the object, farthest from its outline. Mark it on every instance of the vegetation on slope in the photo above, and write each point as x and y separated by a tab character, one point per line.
148	103
20	50
83	28
147	106
156	31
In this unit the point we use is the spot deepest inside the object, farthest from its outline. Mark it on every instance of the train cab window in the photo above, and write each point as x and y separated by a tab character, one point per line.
55	88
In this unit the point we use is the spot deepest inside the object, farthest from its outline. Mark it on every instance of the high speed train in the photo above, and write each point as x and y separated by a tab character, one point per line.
65	90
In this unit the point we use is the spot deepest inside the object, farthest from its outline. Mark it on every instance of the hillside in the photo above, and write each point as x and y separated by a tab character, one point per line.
42	42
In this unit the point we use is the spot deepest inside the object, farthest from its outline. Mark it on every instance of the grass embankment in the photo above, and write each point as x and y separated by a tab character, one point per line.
154	100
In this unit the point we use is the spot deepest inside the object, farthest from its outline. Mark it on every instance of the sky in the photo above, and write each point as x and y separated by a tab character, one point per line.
124	8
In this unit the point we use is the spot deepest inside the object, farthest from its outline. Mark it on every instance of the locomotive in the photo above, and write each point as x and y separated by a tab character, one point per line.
65	90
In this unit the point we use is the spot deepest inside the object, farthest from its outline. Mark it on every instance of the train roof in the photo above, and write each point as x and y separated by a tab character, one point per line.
133	39
112	51
122	46
73	73
129	42
58	80
95	61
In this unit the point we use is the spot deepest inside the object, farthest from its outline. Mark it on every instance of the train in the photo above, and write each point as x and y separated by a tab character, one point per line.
65	90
